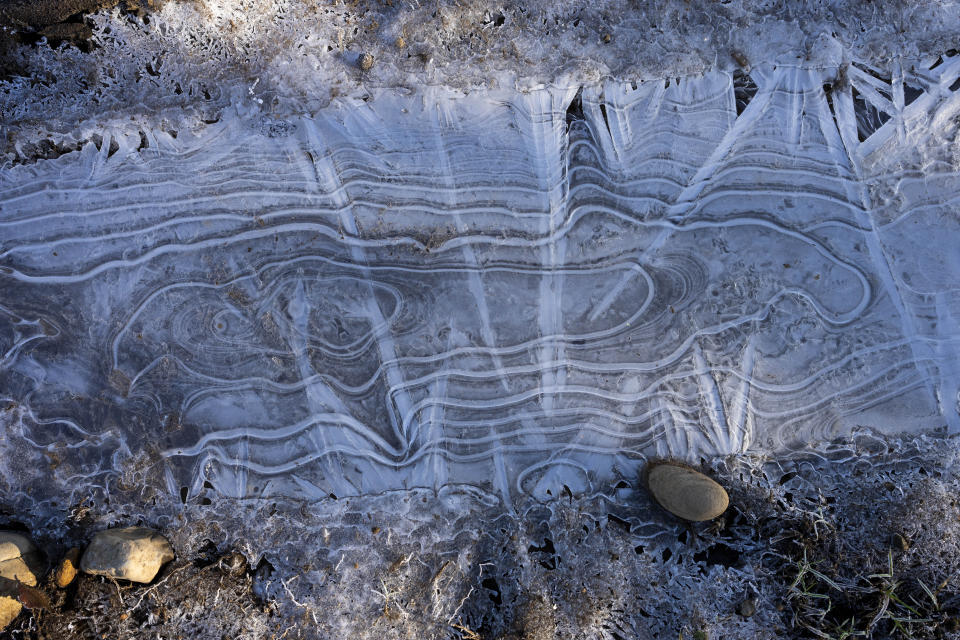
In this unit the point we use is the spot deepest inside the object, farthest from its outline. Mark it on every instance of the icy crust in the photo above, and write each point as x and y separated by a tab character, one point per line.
294	57
518	291
612	565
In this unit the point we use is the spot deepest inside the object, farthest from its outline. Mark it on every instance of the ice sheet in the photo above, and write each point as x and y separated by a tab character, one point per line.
516	291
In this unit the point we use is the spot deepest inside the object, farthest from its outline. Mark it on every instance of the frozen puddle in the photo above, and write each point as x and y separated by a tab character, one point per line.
514	291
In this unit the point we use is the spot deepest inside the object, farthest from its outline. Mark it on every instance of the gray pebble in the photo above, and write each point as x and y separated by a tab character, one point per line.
686	493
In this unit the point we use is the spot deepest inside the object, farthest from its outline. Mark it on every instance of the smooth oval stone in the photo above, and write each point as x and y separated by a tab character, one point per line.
686	493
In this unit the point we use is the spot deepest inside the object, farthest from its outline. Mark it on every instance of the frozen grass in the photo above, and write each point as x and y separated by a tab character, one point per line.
286	57
812	540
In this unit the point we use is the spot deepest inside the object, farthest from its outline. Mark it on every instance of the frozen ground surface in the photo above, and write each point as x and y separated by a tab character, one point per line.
250	291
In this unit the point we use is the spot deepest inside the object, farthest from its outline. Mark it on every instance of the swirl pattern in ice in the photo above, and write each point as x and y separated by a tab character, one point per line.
515	291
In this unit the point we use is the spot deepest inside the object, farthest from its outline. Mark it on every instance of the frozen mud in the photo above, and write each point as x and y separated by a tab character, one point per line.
238	294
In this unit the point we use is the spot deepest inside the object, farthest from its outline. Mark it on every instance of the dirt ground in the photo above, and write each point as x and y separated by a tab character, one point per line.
206	596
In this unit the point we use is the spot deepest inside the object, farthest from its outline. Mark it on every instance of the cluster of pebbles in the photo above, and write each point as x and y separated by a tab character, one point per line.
133	553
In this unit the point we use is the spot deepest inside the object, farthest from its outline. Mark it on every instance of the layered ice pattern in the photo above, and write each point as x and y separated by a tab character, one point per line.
522	292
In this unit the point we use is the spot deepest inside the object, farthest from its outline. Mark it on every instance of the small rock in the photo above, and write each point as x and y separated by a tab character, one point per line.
134	553
748	607
20	562
234	563
686	493
365	62
741	59
67	569
19	558
899	542
400	42
9	610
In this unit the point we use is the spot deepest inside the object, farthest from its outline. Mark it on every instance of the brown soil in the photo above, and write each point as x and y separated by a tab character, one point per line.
40	13
209	596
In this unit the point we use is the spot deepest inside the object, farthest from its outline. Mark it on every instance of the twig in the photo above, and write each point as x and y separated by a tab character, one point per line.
460	606
144	594
468	633
294	600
